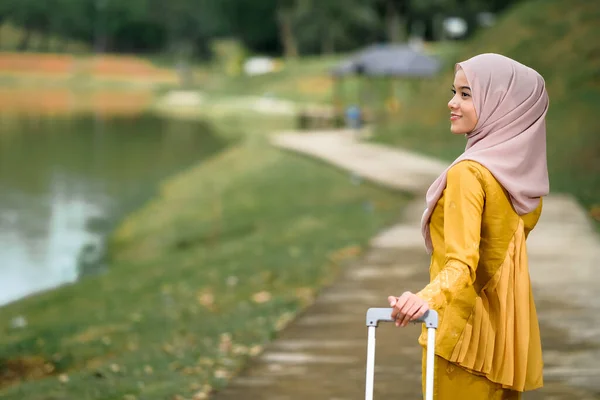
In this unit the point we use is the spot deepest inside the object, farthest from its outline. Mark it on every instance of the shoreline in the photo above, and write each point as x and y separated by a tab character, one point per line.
253	246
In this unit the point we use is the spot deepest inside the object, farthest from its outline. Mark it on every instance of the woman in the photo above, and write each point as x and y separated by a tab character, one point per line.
479	213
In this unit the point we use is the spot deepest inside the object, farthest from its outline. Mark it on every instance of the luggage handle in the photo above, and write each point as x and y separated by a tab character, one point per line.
376	315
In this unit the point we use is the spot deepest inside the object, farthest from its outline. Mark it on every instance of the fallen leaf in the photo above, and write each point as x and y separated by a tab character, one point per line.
132	346
305	294
49	368
261	297
345	253
595	212
168	348
206	361
255	350
221	374
225	343
206	298
189	371
240	349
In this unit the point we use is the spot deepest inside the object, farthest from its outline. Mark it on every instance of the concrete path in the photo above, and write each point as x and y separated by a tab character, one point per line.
321	355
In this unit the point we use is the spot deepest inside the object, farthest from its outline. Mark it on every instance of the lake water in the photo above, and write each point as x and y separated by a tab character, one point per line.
66	181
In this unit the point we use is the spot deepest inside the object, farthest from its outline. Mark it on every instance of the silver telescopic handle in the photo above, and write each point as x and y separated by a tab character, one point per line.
376	315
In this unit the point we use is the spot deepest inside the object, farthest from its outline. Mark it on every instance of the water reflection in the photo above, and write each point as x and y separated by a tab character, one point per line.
65	182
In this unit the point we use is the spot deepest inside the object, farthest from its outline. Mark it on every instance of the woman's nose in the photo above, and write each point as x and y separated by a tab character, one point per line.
452	104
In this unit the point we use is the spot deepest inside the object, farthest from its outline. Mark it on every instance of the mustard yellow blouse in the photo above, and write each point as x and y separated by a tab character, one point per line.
480	281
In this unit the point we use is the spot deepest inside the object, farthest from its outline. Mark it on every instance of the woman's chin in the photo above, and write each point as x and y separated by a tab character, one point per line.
456	130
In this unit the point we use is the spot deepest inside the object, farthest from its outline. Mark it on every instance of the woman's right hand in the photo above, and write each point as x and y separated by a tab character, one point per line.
407	307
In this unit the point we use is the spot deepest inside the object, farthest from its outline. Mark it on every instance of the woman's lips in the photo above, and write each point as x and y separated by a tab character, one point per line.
454	117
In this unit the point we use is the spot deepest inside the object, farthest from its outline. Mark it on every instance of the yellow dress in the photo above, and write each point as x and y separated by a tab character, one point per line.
481	289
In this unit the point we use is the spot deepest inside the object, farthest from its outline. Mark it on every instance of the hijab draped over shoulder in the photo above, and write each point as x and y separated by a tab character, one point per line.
509	139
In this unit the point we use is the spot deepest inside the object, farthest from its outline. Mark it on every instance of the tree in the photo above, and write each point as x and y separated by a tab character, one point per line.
333	23
286	9
186	27
395	19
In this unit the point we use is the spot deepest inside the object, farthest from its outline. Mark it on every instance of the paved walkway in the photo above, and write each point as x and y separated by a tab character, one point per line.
321	355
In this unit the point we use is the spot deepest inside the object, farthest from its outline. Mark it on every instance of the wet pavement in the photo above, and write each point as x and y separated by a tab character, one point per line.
322	354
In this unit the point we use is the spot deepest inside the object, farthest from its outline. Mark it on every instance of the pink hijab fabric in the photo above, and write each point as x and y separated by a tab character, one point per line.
509	139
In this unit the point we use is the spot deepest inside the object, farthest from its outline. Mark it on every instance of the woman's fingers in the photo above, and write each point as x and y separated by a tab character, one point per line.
410	312
421	311
407	307
392	300
404	303
397	303
417	313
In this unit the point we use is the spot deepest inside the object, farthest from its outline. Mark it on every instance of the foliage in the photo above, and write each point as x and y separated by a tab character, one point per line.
186	27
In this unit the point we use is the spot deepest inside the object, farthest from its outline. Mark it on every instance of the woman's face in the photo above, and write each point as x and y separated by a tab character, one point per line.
463	117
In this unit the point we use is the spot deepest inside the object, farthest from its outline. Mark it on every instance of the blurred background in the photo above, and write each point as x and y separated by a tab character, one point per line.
141	204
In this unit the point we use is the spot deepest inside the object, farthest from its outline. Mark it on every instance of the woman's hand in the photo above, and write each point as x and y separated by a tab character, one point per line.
407	307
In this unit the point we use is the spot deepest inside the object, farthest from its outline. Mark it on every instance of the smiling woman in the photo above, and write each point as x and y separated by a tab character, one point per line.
479	213
463	117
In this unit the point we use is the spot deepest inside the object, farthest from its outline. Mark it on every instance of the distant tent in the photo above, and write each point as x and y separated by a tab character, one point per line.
389	60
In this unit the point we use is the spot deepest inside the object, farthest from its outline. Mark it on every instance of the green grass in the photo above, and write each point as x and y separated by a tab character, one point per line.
309	80
306	80
201	278
558	38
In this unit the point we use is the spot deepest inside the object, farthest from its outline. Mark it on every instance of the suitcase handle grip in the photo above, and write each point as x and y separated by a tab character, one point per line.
376	315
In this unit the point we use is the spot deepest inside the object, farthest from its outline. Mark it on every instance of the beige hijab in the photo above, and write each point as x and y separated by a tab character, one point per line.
510	136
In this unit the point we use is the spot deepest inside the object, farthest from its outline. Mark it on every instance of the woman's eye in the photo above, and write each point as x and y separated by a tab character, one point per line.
453	91
466	95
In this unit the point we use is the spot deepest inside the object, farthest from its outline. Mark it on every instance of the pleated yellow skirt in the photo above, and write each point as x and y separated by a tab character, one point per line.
453	382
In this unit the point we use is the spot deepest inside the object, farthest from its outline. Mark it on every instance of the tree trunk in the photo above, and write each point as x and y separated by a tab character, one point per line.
438	27
24	45
394	23
63	45
101	44
327	43
44	45
286	33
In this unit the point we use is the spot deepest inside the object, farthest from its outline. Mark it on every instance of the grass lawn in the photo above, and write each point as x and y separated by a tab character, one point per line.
201	277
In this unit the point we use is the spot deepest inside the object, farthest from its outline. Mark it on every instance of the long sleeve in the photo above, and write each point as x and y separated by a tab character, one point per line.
464	199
